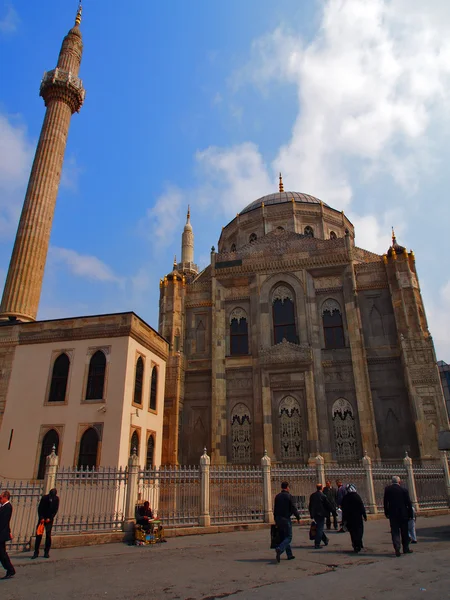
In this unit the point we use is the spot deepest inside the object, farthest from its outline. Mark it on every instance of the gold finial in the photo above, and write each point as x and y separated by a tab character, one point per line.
78	17
394	254
385	259
412	255
188	213
281	188
175	261
393	236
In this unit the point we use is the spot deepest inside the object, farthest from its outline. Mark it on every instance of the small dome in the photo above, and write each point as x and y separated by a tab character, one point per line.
175	276
282	198
395	246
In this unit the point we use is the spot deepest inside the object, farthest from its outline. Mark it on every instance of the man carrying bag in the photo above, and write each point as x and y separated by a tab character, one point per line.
47	509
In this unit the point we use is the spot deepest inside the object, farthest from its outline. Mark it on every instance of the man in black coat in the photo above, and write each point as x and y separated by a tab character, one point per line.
319	509
47	509
5	533
398	509
284	508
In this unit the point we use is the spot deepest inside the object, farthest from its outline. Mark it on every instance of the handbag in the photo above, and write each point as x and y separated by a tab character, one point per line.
313	531
274	537
40	529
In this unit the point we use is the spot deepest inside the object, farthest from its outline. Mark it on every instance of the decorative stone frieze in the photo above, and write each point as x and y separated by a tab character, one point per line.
285	353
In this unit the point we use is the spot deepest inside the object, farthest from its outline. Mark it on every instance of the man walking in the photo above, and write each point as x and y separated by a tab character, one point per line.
47	509
5	533
331	495
399	510
319	508
283	509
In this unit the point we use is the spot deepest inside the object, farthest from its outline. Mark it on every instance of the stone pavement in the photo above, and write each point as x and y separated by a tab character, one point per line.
241	565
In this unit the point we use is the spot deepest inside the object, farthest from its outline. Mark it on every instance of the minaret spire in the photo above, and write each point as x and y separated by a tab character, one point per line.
187	248
63	94
281	187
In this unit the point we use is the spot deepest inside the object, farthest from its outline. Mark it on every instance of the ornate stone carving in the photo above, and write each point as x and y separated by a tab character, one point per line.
327	282
330	305
238	314
285	353
282	293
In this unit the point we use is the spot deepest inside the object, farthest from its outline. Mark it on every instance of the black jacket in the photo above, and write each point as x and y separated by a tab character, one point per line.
5	518
284	506
331	494
353	510
397	503
48	507
319	505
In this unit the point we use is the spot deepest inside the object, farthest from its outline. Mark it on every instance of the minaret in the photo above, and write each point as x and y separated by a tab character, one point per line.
63	95
187	265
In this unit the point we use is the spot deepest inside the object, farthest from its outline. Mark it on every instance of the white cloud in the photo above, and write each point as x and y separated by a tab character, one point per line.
163	220
10	20
16	154
89	267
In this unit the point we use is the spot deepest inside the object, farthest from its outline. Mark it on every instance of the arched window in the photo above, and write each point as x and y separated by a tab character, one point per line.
241	434
333	236
153	388
253	237
291	434
376	322
333	329
87	456
134	443
279	228
344	430
96	376
233	248
283	314
150	452
60	375
238	332
50	439
200	336
138	381
309	231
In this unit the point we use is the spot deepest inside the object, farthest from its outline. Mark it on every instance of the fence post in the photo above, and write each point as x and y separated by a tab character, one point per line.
51	470
267	488
371	500
407	461
446	473
204	519
320	469
132	489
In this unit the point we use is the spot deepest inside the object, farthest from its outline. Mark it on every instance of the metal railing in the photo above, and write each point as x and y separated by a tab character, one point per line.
382	476
302	483
25	497
236	494
350	473
430	486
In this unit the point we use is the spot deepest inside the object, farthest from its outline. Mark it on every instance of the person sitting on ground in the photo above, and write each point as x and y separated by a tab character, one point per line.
144	516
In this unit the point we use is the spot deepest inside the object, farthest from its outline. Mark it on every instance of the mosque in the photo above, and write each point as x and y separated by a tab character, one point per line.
292	340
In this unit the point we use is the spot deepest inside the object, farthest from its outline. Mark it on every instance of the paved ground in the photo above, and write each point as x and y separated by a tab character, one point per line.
241	565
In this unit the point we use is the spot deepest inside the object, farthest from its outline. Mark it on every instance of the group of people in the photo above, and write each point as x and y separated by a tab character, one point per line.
325	503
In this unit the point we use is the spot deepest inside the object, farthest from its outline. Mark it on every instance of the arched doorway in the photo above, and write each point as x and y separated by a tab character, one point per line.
50	439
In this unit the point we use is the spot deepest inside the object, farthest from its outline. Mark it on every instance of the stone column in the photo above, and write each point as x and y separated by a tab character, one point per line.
204	519
411	481
371	499
267	488
320	469
313	427
446	473
132	487
219	422
51	470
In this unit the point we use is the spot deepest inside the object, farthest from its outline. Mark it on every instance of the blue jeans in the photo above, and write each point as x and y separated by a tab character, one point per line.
320	535
285	529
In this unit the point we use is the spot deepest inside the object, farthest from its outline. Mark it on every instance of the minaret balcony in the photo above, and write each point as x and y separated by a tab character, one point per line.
58	80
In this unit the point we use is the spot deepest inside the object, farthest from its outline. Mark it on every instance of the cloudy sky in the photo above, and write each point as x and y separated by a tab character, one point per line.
202	103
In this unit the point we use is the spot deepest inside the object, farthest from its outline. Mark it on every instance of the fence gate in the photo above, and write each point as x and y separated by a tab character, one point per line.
25	497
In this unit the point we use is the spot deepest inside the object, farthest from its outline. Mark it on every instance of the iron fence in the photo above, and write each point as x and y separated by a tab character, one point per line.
25	497
382	474
173	493
90	500
430	486
236	494
302	483
349	473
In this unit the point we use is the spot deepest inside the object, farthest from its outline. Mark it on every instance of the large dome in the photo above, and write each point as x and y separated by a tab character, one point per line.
281	198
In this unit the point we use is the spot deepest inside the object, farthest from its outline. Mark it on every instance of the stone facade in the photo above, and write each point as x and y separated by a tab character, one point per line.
353	371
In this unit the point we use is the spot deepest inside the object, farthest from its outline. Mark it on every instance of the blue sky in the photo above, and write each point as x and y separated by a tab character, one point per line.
203	103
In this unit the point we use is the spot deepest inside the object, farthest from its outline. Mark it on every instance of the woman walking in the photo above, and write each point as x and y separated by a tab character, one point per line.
353	513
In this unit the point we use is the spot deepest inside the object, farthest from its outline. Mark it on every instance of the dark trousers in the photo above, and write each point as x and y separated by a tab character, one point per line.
320	534
285	529
356	534
399	529
48	539
335	525
4	559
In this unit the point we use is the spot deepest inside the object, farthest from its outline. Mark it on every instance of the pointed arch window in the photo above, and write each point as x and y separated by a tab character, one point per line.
138	381
96	376
309	231
283	315
87	457
149	458
50	440
233	248
153	388
238	332
333	329
241	434
60	376
291	429
344	428
200	336
134	443
253	237
333	236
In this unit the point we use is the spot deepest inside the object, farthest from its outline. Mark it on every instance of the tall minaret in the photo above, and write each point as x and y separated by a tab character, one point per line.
187	265
63	95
